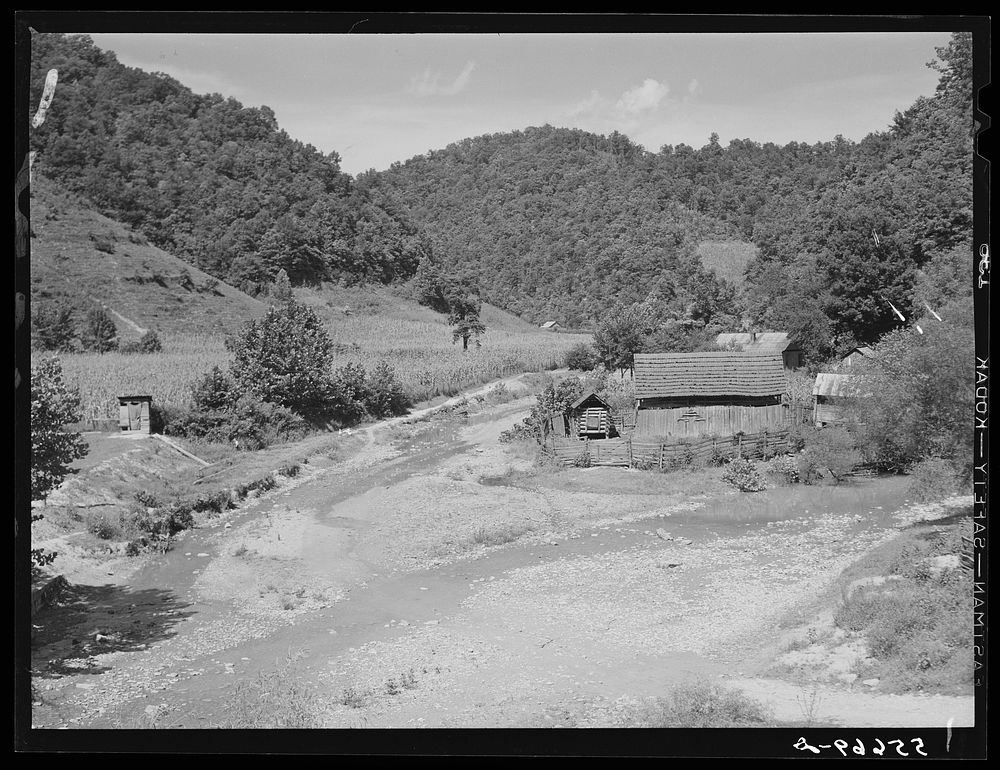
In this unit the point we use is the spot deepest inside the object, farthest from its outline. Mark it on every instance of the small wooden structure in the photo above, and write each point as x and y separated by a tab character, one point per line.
854	356
551	326
133	413
590	417
764	343
831	394
703	394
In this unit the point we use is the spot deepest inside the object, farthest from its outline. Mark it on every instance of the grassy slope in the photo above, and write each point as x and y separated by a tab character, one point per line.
136	280
144	288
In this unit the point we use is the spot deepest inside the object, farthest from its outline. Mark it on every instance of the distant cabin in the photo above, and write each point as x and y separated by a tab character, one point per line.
551	326
855	355
133	413
721	394
589	417
764	343
831	394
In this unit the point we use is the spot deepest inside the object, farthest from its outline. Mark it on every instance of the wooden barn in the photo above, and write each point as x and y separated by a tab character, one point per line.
133	413
764	343
831	393
551	326
720	394
590	417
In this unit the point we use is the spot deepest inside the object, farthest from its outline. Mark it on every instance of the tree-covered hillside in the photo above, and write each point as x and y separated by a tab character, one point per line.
211	181
548	223
556	223
561	223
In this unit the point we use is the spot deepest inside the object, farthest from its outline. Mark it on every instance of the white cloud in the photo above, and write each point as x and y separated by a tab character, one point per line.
694	87
642	98
593	104
428	83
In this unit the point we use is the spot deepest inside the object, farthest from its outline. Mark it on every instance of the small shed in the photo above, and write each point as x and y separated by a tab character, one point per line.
855	355
590	417
551	326
764	343
133	413
722	394
831	394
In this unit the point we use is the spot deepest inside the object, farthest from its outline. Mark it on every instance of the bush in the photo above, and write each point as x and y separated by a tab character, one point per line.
103	526
933	479
784	468
284	358
100	333
706	705
522	431
147	343
581	357
828	449
382	394
254	424
744	475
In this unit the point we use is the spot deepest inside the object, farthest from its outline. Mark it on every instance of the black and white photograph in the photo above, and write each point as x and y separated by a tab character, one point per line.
431	384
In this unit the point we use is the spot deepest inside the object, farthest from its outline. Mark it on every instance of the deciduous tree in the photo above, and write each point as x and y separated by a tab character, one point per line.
53	449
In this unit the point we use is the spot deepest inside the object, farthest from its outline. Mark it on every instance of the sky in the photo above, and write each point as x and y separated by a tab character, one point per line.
378	99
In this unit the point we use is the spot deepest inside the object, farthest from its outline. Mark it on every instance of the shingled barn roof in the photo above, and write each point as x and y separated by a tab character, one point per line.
675	375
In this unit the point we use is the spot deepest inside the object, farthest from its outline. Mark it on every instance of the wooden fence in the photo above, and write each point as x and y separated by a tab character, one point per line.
629	452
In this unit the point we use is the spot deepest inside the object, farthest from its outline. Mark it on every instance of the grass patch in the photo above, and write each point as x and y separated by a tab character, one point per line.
274	699
500	535
918	627
704	704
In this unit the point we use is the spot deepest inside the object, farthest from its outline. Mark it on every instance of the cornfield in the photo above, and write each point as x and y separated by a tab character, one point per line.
422	355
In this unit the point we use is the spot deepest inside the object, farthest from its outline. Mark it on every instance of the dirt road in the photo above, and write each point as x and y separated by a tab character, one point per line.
437	579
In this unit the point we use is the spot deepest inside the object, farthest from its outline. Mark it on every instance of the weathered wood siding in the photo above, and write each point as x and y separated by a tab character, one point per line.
829	411
718	420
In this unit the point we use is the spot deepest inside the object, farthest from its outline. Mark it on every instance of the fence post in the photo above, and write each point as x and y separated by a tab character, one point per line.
661	456
628	444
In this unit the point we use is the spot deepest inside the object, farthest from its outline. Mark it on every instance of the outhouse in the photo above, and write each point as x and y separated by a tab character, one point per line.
590	417
133	413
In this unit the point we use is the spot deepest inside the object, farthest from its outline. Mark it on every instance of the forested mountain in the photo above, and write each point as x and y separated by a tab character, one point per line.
561	223
548	223
556	223
211	181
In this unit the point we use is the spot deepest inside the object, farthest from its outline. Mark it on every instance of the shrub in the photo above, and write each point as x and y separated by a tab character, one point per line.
213	392
149	342
499	394
103	526
285	358
784	468
52	327
100	333
384	395
932	479
706	704
581	357
146	499
255	424
828	449
744	475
